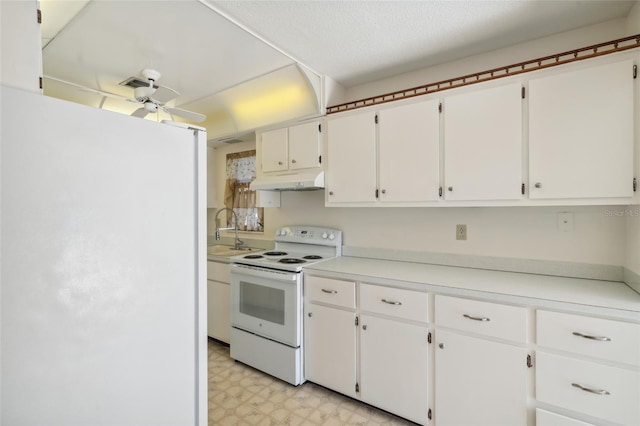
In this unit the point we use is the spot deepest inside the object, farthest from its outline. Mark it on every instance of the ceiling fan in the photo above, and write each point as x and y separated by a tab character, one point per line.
154	97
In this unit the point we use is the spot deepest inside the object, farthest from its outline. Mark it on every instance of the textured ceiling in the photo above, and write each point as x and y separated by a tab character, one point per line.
360	41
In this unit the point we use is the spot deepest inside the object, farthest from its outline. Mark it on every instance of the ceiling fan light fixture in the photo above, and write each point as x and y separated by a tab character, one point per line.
150	106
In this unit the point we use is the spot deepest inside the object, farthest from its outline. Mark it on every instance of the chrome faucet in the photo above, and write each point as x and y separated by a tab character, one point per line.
237	241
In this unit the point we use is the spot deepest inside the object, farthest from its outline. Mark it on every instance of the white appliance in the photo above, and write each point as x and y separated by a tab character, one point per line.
266	299
103	239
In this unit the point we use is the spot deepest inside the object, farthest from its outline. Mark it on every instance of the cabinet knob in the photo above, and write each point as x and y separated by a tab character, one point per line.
450	189
279	163
330	192
384	191
364	326
293	161
310	314
441	345
538	185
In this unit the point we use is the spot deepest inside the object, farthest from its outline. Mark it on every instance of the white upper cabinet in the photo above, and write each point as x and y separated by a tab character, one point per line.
304	146
351	166
292	148
581	133
408	146
483	144
391	159
275	150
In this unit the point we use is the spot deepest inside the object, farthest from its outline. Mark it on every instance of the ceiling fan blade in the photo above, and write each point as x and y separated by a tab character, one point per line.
88	89
189	115
140	112
164	94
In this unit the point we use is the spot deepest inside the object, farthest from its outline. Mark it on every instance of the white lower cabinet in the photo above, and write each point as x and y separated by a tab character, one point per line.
479	382
472	362
394	367
218	301
589	388
589	366
380	356
330	348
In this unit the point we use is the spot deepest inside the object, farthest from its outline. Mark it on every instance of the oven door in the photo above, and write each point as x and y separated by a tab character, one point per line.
267	303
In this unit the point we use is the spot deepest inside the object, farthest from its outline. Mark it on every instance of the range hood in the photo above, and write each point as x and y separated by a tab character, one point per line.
292	181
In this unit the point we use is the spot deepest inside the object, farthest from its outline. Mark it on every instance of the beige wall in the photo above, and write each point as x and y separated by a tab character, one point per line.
633	20
538	48
633	239
515	232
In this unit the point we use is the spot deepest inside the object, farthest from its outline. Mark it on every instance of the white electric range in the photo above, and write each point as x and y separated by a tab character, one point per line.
266	299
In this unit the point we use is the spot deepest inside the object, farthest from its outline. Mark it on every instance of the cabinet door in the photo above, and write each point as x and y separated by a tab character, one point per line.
479	382
409	146
304	146
330	348
393	367
351	166
483	144
274	151
218	313
581	133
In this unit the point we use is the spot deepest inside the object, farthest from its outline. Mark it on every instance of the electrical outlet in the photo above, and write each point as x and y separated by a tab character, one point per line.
461	232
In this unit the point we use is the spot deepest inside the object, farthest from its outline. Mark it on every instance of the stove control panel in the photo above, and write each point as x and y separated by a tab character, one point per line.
309	235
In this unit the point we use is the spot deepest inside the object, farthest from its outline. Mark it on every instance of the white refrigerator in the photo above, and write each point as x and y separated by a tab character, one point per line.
103	273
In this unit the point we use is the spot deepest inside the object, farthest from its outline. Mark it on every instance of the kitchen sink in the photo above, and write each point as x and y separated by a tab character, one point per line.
227	251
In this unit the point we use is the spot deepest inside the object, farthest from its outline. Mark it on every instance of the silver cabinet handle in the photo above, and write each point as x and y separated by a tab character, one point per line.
598	338
538	185
330	192
441	345
476	318
293	161
310	314
596	391
450	188
279	163
324	290
364	326
391	302
384	191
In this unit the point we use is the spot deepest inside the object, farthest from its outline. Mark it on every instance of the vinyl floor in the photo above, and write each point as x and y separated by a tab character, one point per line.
241	395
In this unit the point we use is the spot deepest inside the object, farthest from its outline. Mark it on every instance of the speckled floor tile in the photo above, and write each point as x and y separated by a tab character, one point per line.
240	395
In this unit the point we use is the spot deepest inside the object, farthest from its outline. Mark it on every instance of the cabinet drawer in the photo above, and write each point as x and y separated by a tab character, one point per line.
611	340
547	418
327	290
490	319
217	271
406	304
598	390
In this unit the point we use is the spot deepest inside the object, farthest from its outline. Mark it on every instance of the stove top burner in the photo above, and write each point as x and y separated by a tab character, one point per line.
312	257
275	253
289	260
253	256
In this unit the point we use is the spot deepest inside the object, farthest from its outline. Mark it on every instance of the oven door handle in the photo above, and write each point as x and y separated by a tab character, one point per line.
257	271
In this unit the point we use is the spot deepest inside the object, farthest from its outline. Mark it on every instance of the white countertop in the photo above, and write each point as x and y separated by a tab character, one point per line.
606	298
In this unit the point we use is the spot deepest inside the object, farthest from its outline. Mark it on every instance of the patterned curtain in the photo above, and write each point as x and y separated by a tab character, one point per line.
241	170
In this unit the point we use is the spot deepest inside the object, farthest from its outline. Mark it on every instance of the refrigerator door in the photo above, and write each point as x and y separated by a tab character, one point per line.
103	267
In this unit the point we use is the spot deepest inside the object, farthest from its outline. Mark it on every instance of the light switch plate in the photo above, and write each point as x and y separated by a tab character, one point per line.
565	222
